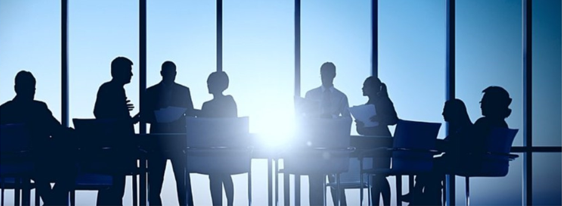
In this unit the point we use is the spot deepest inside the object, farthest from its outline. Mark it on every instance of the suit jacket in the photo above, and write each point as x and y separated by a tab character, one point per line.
162	96
37	117
111	103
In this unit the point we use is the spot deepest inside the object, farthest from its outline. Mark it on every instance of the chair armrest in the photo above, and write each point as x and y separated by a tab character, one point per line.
432	151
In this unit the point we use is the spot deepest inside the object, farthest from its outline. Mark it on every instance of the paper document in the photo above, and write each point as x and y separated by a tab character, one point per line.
364	113
169	114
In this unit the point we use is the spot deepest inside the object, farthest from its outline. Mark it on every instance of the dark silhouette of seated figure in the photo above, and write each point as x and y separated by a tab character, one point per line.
164	94
460	125
112	103
495	108
220	106
50	142
386	115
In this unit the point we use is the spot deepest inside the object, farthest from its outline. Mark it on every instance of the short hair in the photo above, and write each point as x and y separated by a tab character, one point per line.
118	64
24	77
168	64
328	66
220	79
498	95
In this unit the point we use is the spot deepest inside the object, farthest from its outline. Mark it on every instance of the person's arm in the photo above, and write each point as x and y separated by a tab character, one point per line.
188	103
344	107
386	114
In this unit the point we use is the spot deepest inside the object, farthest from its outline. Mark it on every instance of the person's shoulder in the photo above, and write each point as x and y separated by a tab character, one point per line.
314	90
181	87
230	98
39	104
106	86
337	91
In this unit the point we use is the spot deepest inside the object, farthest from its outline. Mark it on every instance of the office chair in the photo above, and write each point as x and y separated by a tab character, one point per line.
219	146
352	178
97	144
320	147
494	163
16	166
411	154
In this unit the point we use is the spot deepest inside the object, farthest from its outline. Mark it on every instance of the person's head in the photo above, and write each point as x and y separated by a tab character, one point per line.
454	111
122	70
25	85
495	102
217	82
328	73
371	86
168	71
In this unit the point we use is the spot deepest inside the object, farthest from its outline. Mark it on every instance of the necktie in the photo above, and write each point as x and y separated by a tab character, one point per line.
327	101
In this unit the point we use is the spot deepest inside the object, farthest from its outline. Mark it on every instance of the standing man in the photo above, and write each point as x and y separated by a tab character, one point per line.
165	94
50	145
112	103
333	104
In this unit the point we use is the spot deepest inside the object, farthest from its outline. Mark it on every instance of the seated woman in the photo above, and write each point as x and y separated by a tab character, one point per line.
495	108
220	106
454	113
376	91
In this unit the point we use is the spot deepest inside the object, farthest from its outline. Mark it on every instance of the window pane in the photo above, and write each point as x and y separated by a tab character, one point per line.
546	73
547	179
339	32
258	57
489	54
183	32
30	40
412	58
98	32
494	190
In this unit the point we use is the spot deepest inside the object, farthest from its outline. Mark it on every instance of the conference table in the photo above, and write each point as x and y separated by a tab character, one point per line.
175	143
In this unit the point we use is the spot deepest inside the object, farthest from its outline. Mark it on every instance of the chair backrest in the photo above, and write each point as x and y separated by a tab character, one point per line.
218	145
322	133
14	138
412	142
217	132
495	163
97	132
352	176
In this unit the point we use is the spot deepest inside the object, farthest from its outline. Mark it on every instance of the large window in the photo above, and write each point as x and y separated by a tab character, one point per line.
30	40
489	53
98	32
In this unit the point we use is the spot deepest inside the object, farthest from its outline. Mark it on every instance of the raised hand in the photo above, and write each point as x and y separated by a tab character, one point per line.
130	105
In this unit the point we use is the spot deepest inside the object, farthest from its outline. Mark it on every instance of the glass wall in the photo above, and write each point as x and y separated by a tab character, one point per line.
489	53
185	33
412	57
546	73
258	56
98	32
30	40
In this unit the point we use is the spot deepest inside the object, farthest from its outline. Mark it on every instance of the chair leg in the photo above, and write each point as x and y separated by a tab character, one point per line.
369	190
276	181
398	190
361	182
286	189
135	189
325	193
2	179
467	190
338	190
25	192
17	191
250	187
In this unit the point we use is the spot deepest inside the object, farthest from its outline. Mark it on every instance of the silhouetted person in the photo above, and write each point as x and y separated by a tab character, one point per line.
164	94
495	108
385	116
220	106
333	104
112	103
50	142
460	126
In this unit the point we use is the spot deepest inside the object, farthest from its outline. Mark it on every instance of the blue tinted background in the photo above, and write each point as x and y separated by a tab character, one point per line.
258	55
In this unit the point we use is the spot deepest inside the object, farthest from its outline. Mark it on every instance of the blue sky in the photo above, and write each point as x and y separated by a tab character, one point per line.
258	55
